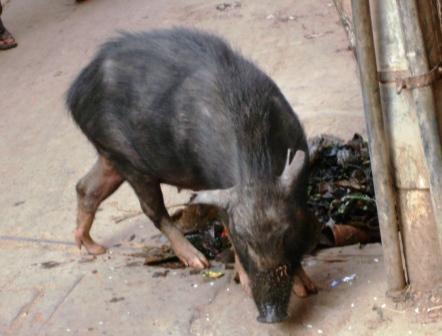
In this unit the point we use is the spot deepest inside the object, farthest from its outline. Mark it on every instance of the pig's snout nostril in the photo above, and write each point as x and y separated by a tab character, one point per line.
271	314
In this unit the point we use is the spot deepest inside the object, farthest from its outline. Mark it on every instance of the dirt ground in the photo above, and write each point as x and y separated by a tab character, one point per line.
48	287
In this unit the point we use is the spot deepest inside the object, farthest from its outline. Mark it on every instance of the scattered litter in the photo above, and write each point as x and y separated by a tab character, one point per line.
349	278
409	332
160	274
375	298
116	299
94	271
19	203
50	264
227	289
383	305
416	310
194	285
349	327
226	6
68	330
100	322
270	17
376	260
211	283
212	274
320	331
110	277
352	305
309	326
335	283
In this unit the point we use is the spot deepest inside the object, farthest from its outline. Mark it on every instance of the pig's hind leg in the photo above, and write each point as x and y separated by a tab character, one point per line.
151	201
98	184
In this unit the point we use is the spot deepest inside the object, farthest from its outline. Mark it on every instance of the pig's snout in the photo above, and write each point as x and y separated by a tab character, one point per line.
271	291
269	313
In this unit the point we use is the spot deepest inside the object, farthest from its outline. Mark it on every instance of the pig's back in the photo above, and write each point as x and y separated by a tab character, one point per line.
182	107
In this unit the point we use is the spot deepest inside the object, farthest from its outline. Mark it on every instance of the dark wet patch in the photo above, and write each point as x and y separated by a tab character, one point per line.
19	203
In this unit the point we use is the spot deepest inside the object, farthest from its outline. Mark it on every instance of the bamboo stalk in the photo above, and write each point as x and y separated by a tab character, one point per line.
378	146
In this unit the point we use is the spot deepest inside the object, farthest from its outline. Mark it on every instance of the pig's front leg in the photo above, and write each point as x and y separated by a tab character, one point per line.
151	200
302	284
241	276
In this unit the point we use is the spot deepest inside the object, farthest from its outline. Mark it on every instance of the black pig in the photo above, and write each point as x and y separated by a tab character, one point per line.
181	107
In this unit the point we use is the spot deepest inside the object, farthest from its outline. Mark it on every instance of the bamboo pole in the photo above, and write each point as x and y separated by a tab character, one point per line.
378	145
424	104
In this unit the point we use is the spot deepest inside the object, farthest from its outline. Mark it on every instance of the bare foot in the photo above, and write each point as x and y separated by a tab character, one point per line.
303	285
83	239
241	276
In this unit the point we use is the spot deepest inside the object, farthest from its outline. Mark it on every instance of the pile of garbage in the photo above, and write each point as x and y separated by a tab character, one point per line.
341	192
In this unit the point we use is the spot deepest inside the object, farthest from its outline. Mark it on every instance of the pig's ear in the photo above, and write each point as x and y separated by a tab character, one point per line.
292	169
217	197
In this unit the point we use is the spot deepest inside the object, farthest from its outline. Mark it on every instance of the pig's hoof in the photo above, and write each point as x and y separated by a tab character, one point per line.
91	246
193	258
303	285
244	283
298	288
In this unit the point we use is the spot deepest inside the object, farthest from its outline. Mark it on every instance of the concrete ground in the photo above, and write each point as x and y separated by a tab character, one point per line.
48	287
